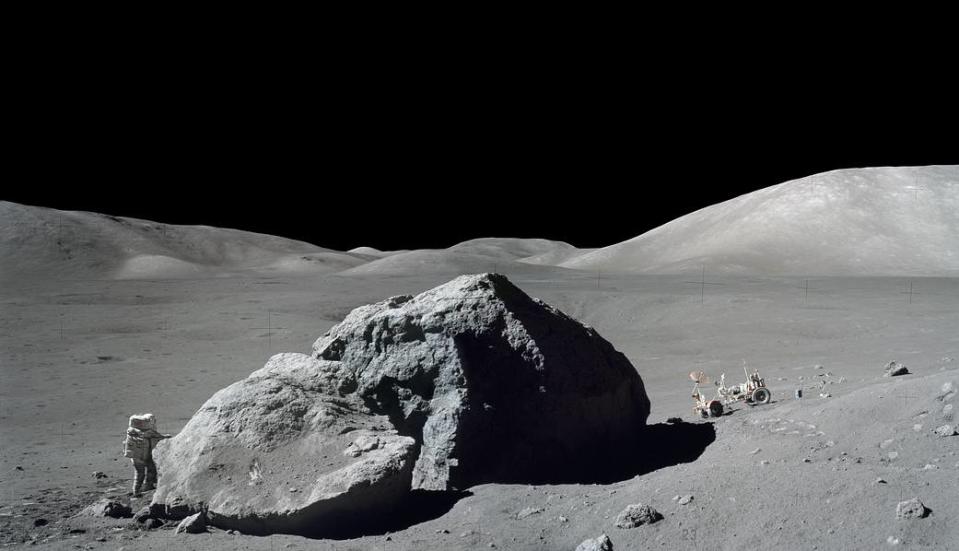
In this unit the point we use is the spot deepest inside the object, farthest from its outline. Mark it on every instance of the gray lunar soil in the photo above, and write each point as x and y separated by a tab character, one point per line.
95	328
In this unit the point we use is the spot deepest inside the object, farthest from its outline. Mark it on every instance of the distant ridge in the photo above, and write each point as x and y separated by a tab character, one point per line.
71	244
866	222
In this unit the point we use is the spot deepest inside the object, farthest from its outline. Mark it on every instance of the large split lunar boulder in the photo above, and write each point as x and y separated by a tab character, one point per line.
470	382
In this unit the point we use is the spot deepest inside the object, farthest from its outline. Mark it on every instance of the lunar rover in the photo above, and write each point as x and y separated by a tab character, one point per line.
752	392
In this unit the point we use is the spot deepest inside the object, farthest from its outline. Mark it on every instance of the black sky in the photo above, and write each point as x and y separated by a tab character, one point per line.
424	146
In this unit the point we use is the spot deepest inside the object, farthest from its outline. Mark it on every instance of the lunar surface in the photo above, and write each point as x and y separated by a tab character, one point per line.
819	284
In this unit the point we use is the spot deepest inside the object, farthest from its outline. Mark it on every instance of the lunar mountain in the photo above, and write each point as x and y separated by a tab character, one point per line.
872	221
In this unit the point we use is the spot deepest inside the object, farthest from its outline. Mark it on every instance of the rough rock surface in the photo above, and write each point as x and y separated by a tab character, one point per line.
143	514
912	508
637	515
895	369
152	523
267	453
470	382
602	543
945	430
193	524
107	508
485	378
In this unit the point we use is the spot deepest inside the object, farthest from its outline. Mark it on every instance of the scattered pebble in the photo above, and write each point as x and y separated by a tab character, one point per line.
880	480
107	508
685	499
945	430
152	523
806	460
528	511
911	509
142	515
637	514
754	452
193	524
895	369
892	541
563	519
601	543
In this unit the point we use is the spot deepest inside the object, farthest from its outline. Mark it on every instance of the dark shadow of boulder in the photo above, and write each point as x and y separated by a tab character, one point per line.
417	507
653	448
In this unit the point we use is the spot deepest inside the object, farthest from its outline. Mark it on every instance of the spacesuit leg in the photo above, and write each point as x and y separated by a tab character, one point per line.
139	475
151	476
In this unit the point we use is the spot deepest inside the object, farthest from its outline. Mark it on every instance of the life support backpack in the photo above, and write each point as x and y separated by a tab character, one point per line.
135	447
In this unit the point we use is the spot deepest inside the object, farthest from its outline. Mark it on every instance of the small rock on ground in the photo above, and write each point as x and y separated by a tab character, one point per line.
152	523
945	430
910	509
602	543
528	511
142	515
683	500
107	508
637	514
193	524
895	369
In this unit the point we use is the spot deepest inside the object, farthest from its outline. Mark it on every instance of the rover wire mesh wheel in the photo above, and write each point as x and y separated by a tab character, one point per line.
715	408
761	396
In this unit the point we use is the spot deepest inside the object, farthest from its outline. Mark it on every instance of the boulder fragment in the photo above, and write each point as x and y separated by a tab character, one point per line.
911	509
142	515
895	369
601	543
193	524
637	514
107	508
528	512
945	430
